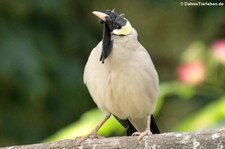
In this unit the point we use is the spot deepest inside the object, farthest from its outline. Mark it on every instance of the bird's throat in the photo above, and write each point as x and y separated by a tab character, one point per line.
106	43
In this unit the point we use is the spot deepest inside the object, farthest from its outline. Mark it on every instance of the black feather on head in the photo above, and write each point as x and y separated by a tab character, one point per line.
113	21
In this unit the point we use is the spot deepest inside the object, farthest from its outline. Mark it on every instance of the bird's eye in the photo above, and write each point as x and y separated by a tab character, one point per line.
118	26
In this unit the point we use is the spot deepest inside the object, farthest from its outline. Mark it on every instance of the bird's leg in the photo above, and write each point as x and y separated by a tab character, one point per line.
147	130
93	134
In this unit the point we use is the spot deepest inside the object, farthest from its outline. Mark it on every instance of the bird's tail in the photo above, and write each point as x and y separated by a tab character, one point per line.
153	127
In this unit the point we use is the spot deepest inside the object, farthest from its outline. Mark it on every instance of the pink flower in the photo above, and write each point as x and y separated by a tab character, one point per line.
192	73
218	48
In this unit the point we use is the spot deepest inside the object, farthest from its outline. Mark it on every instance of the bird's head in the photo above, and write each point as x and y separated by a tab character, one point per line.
115	24
118	25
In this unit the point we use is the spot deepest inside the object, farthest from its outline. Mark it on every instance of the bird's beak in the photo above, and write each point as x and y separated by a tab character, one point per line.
100	15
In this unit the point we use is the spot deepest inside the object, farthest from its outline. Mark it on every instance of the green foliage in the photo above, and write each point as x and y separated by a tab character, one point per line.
206	86
86	124
42	58
210	116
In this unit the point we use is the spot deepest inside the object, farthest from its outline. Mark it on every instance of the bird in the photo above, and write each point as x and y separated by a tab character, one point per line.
121	77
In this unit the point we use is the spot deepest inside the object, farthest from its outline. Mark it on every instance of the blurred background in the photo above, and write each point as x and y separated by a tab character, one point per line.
44	46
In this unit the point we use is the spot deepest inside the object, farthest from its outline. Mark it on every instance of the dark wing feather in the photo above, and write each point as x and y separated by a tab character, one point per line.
153	127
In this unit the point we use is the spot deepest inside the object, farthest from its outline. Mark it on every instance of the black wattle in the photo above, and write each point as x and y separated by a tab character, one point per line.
106	43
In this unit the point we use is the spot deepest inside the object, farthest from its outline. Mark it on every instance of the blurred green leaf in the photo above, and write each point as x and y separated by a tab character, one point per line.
206	117
176	88
86	124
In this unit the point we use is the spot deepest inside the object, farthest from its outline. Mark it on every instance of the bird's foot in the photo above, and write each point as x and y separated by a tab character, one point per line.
92	135
142	134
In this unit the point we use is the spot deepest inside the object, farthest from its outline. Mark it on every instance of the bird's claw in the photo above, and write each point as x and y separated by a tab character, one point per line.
142	134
